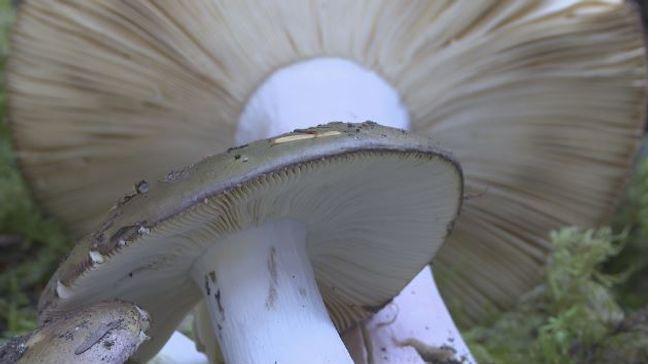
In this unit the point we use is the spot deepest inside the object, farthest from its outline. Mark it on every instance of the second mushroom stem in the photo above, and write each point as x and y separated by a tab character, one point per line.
263	300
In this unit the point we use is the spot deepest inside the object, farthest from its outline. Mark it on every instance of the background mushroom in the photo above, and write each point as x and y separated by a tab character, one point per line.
541	100
278	235
103	333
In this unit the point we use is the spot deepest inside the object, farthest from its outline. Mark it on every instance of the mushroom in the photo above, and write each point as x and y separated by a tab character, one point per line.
275	236
540	100
205	338
180	349
102	333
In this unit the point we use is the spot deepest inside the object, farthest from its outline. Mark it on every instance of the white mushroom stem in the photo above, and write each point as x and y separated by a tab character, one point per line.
263	300
329	89
316	92
415	328
179	349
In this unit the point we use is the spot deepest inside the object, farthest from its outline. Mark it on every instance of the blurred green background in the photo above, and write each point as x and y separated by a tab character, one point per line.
592	307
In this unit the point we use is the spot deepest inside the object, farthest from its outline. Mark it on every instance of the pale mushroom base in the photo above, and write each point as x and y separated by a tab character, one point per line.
415	327
263	299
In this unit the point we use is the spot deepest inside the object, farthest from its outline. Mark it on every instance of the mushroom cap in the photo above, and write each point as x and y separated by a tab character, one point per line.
376	203
103	333
542	101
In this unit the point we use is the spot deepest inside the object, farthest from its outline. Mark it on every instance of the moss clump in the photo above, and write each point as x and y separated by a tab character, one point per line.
572	317
628	344
633	217
31	244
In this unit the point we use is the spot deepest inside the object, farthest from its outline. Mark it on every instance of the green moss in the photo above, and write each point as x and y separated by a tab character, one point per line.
572	316
31	243
594	279
628	344
633	217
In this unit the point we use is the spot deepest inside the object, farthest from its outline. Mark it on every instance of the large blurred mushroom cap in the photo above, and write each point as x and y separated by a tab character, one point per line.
542	102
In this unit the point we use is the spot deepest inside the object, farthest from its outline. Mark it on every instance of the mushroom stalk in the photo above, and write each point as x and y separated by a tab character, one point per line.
263	300
327	89
415	327
179	349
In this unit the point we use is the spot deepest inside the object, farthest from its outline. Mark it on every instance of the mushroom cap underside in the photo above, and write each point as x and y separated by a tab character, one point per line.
377	203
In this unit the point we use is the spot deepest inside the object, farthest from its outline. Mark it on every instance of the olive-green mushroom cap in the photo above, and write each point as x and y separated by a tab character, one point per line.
377	203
